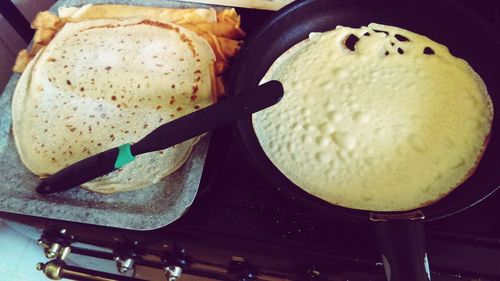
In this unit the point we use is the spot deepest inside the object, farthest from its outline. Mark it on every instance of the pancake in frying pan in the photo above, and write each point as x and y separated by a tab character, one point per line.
375	118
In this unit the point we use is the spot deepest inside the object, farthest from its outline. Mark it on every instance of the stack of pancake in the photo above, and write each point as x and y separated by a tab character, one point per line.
103	75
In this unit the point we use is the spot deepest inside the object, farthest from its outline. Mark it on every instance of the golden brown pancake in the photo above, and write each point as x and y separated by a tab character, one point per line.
103	83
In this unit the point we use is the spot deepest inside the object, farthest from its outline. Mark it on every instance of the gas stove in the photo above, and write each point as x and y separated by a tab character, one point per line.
240	227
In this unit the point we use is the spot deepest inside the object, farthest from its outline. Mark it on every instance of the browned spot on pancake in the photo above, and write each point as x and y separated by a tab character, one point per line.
82	89
113	97
172	100
173	86
107	67
196	107
193	97
51	59
158	107
195	89
68	82
145	126
167	26
179	108
184	38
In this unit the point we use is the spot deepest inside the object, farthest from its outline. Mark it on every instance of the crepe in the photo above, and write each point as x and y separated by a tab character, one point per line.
221	29
375	118
103	83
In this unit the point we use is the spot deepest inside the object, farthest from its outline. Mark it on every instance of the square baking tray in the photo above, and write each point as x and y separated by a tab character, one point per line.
144	209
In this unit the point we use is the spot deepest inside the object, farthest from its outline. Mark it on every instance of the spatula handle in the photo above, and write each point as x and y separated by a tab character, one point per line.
80	172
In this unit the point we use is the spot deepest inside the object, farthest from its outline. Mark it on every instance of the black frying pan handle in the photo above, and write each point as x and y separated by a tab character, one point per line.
402	245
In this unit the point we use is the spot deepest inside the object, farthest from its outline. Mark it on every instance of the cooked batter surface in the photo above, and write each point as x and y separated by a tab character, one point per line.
375	118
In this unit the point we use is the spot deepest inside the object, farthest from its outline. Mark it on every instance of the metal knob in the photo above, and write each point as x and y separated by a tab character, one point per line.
125	253
124	266
175	260
242	270
56	244
309	273
51	269
173	272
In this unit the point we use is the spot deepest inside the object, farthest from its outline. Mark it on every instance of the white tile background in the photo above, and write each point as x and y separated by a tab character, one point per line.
19	253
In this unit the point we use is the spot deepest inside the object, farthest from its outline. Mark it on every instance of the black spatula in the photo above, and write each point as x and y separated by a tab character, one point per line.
167	135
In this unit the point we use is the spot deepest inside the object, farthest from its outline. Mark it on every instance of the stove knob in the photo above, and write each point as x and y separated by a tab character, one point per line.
175	261
124	255
124	265
241	270
173	272
56	243
310	274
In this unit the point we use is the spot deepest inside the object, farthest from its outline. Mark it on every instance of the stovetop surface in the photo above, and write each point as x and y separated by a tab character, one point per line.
238	209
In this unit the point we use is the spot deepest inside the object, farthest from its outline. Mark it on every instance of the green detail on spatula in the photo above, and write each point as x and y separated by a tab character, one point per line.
124	156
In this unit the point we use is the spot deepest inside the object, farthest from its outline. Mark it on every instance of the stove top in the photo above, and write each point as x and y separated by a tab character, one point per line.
244	226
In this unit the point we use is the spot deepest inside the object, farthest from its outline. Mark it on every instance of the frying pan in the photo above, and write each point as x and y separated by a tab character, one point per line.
400	234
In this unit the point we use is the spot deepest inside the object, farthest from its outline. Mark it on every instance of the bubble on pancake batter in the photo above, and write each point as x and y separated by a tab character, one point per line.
458	162
417	142
322	141
326	128
323	157
305	112
343	155
360	117
306	139
335	116
340	73
344	140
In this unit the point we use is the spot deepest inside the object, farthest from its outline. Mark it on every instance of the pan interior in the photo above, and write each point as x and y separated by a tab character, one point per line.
369	122
466	35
